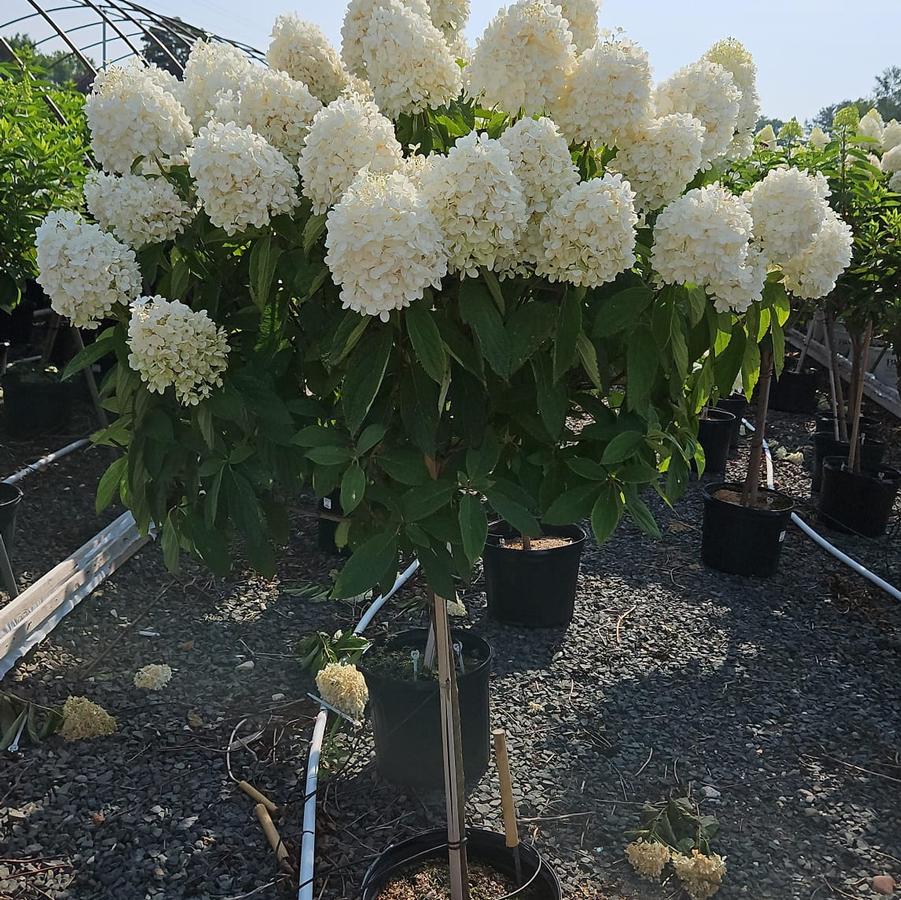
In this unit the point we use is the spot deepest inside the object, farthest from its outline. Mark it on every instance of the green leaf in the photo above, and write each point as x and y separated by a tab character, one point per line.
473	526
606	513
622	310
514	513
728	360
365	372
421	501
479	312
778	337
171	547
263	261
370	436
589	357
347	335
642	358
569	327
317	436
353	486
367	564
573	505
750	367
312	231
329	456
426	340
205	424
91	353
553	401
405	466
622	447
494	288
482	460
110	481
640	513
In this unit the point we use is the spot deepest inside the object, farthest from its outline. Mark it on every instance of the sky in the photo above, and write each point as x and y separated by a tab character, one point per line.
809	53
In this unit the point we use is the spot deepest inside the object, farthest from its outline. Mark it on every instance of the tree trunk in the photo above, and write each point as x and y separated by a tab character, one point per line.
752	480
840	425
858	376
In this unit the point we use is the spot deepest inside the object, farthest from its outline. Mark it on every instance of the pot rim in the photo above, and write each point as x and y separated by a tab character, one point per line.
576	532
869	473
15	498
711	488
719	415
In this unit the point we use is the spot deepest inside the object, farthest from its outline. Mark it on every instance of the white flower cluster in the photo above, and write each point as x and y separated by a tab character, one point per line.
607	96
872	126
240	179
131	116
661	159
648	858
408	61
582	17
82	719
891	136
345	136
891	161
788	208
212	68
521	60
304	52
173	346
152	677
356	26
478	202
703	238
84	270
275	106
589	233
384	244
344	688
701	875
817	138
449	16
735	58
708	92
813	273
135	209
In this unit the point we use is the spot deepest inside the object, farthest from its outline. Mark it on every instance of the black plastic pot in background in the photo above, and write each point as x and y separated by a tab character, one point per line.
329	507
10	498
795	392
826	422
406	716
485	848
857	503
737	404
825	445
715	436
32	407
533	588
743	540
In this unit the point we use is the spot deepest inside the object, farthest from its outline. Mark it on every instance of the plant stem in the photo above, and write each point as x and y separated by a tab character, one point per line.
861	345
752	480
526	542
840	425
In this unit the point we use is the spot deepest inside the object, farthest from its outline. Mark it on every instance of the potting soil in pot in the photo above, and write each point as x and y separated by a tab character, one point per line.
432	882
398	665
539	543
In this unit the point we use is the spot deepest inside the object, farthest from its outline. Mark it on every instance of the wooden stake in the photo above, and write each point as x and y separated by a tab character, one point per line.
752	481
272	835
454	777
511	829
254	794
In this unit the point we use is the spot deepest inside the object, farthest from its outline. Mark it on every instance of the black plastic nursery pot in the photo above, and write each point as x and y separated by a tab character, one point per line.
825	445
736	404
743	540
715	436
533	588
795	392
32	407
329	508
406	716
540	882
10	498
858	503
826	422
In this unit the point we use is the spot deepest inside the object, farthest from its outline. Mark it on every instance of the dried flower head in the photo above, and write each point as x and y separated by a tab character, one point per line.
701	875
343	687
152	677
82	718
648	858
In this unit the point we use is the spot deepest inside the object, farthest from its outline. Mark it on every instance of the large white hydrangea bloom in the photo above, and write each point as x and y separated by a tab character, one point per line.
302	50
891	135
817	138
384	244
240	179
708	92
812	274
703	238
172	346
582	16
894	183
135	209
661	159
521	60
607	97
478	203
131	116
408	62
449	16
347	135
356	25
84	270
589	233
735	58
891	161
274	105
788	208
872	125
212	67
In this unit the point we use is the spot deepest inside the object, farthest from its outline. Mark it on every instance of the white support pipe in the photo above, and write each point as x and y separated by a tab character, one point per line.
47	460
818	539
308	838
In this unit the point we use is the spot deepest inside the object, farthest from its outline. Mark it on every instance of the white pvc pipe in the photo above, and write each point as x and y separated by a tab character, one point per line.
308	838
47	460
817	538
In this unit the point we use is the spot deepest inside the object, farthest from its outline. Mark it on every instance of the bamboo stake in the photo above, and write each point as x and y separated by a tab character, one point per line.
511	829
835	382
861	352
752	482
272	835
254	794
454	778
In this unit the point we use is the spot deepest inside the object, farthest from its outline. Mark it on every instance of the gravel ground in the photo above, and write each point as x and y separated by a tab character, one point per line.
774	702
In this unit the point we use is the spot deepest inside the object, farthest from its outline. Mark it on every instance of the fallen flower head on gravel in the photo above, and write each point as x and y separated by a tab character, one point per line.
153	677
82	718
343	687
701	875
648	858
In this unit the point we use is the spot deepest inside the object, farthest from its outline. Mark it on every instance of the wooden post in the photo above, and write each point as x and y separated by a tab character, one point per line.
511	829
752	482
835	381
858	375
454	777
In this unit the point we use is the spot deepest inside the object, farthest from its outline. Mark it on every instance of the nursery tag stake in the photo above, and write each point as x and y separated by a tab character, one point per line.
511	829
